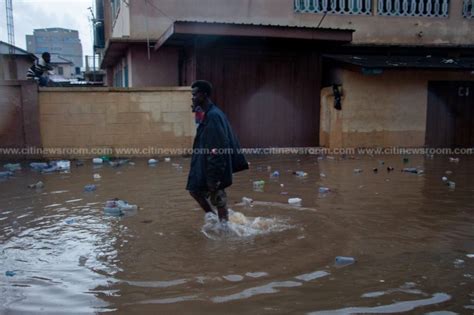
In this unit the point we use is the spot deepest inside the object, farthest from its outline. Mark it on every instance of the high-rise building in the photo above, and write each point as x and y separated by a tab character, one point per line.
58	41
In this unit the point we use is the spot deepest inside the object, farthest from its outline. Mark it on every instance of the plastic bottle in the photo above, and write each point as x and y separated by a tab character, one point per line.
6	174
344	261
247	201
97	161
258	185
300	174
323	190
12	167
90	188
275	174
39	165
38	185
357	170
295	201
410	170
152	162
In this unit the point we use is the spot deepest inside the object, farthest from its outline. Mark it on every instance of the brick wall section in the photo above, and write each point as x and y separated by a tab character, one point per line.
116	118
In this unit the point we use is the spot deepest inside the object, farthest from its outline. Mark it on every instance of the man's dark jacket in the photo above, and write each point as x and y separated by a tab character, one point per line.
216	153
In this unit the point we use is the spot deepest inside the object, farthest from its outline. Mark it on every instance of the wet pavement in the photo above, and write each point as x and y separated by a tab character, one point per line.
412	237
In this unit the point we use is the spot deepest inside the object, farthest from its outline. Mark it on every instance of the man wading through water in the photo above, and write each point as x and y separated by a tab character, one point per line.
216	153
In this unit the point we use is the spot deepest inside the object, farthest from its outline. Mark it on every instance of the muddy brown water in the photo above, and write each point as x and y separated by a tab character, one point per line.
411	235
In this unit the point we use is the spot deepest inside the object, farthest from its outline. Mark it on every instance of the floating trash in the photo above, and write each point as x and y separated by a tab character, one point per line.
118	207
97	161
324	190
275	174
322	175
10	273
357	170
248	202
6	174
295	201
454	160
341	261
37	185
97	176
258	185
12	167
300	174
152	162
167	159
90	188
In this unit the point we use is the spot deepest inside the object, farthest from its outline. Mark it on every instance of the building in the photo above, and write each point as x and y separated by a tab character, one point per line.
334	73
14	62
58	41
62	67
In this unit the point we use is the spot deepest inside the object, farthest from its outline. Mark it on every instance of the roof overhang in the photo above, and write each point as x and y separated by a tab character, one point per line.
182	31
115	50
361	62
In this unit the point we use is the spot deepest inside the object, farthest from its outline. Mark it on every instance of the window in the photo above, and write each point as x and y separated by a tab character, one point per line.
334	6
426	8
60	71
468	9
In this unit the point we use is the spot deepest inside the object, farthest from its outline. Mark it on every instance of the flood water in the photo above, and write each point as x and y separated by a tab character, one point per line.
411	235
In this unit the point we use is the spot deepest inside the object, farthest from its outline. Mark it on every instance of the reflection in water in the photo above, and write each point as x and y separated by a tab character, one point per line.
60	254
397	307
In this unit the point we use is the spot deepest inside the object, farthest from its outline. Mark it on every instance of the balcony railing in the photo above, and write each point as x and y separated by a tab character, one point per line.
354	7
468	9
422	8
426	8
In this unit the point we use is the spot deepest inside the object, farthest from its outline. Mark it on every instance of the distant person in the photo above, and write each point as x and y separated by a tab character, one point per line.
216	153
39	71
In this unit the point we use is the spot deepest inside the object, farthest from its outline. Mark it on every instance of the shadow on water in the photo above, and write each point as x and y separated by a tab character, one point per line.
411	236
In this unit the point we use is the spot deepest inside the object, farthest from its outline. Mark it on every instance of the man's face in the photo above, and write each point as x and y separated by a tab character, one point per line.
199	97
47	58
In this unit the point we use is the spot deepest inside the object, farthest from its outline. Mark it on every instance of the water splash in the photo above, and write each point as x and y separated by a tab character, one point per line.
240	225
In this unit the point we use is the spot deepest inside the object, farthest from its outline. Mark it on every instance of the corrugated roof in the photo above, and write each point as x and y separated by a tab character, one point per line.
5	50
55	58
260	24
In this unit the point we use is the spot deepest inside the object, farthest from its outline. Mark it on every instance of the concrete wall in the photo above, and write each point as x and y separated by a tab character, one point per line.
19	125
384	110
160	70
158	15
20	65
116	118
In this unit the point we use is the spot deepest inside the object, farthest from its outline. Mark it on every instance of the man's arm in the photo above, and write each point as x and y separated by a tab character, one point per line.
215	138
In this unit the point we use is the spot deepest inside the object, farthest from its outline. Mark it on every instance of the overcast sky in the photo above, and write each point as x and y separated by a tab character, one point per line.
32	14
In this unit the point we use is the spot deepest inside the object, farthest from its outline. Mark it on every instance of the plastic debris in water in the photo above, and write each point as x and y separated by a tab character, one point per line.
10	273
89	188
79	163
323	190
248	202
12	167
375	170
295	201
97	176
62	165
38	166
344	261
275	174
390	169
300	174
38	185
167	159
381	162
69	221
152	162
118	207
131	163
258	185
451	184
448	172
322	175
410	170
357	170
444	179
454	160
97	161
6	174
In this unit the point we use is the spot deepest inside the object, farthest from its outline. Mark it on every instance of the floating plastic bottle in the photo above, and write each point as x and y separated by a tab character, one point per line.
295	201
444	179
275	174
90	188
410	170
167	159
248	202
324	190
97	176
454	160
12	167
37	185
451	184
38	166
357	170
118	207
152	162
97	161
300	174
344	261
6	174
